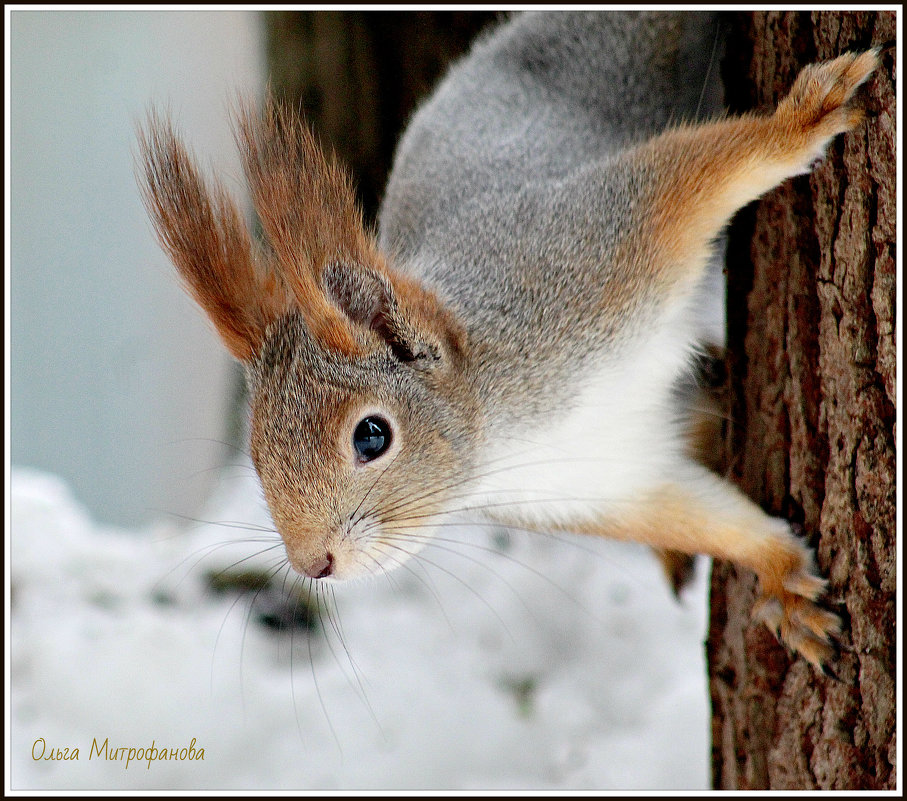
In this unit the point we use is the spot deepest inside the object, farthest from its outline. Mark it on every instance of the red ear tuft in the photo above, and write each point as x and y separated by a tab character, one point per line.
206	238
308	211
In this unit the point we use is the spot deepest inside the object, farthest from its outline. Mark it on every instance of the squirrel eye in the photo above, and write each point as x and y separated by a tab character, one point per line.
371	438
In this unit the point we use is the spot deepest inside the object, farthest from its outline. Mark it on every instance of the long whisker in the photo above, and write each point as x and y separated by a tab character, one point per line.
221	469
393	509
205	551
279	564
568	539
338	627
387	511
412	516
220	631
438	545
433	541
507	504
324	708
358	686
425	581
297	580
705	81
226	523
380	475
233	565
214	440
421	558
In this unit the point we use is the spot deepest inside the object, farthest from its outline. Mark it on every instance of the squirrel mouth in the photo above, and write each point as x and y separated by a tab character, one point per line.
368	547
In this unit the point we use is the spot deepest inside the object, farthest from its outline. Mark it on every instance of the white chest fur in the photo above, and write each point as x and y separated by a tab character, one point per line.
622	435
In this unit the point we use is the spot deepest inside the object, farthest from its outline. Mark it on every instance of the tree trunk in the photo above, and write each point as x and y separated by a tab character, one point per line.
811	365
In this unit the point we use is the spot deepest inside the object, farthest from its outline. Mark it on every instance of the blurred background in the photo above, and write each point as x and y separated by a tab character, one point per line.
117	384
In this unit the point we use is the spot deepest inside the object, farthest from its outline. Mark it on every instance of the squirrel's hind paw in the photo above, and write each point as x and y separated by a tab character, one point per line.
798	621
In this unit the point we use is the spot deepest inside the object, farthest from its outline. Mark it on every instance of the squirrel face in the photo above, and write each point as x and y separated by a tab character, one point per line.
334	438
330	335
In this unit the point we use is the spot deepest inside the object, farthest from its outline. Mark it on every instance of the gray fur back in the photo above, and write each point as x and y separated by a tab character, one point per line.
500	195
542	95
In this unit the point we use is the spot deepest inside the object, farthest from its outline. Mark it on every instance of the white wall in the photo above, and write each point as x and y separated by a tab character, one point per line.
116	379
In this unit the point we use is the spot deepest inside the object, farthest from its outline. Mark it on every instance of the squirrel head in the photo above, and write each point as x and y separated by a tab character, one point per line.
360	421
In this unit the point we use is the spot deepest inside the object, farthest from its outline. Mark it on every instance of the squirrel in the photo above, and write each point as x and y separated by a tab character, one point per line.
510	340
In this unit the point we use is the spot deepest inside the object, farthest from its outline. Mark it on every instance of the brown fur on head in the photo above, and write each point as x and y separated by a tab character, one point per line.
329	333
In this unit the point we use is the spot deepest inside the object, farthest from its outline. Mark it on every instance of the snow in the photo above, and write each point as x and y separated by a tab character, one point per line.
515	661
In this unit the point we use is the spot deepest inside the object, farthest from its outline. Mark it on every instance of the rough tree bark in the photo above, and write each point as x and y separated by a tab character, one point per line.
811	361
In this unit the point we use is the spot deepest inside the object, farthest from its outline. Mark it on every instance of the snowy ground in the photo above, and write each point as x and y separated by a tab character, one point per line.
515	662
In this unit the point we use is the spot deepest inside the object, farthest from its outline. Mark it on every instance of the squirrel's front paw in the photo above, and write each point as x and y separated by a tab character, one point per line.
788	607
816	109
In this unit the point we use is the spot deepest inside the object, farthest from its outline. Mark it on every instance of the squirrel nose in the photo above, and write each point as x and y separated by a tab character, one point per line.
322	568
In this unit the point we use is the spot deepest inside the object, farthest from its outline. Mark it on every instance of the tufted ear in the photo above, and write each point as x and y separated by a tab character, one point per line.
408	318
340	281
207	240
308	211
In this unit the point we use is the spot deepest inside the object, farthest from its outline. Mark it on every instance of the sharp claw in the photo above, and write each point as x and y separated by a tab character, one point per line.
828	670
